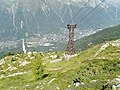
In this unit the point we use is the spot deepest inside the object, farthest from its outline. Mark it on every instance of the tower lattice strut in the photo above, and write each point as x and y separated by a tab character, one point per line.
70	48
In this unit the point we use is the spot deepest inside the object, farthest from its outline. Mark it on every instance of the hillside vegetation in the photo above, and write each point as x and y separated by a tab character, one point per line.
94	69
108	34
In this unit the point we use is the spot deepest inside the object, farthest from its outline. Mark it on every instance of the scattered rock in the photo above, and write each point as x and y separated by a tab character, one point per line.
15	74
41	87
10	68
57	60
14	62
100	57
2	76
17	58
5	58
118	86
117	83
114	87
53	56
82	83
37	87
51	81
26	58
117	80
93	81
118	76
2	62
69	86
12	88
24	63
58	88
9	65
67	57
32	58
12	75
2	66
77	84
34	53
27	85
44	83
29	54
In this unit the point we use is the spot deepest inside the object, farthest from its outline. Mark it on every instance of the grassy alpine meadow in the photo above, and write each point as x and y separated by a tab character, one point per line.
94	69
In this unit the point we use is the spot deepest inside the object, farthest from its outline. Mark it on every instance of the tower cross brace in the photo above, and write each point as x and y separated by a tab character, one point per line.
70	48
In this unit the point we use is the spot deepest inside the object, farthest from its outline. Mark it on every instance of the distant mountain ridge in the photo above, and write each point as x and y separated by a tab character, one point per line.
26	18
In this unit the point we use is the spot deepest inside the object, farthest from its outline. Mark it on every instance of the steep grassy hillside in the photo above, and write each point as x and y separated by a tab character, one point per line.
107	34
94	69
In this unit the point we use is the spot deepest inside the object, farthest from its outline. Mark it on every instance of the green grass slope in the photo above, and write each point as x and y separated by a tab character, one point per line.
107	34
95	69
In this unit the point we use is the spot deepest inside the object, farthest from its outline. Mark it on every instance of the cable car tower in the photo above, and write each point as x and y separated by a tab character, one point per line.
70	48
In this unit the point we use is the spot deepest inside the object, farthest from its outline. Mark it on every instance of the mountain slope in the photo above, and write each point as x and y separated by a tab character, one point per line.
42	23
107	34
95	68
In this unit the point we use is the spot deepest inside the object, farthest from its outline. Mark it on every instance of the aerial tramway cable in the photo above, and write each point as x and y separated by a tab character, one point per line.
89	12
79	11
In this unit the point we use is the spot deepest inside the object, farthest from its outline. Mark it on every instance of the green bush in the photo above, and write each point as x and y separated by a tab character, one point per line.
38	69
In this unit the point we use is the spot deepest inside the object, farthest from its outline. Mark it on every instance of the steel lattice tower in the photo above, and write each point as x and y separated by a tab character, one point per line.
70	48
